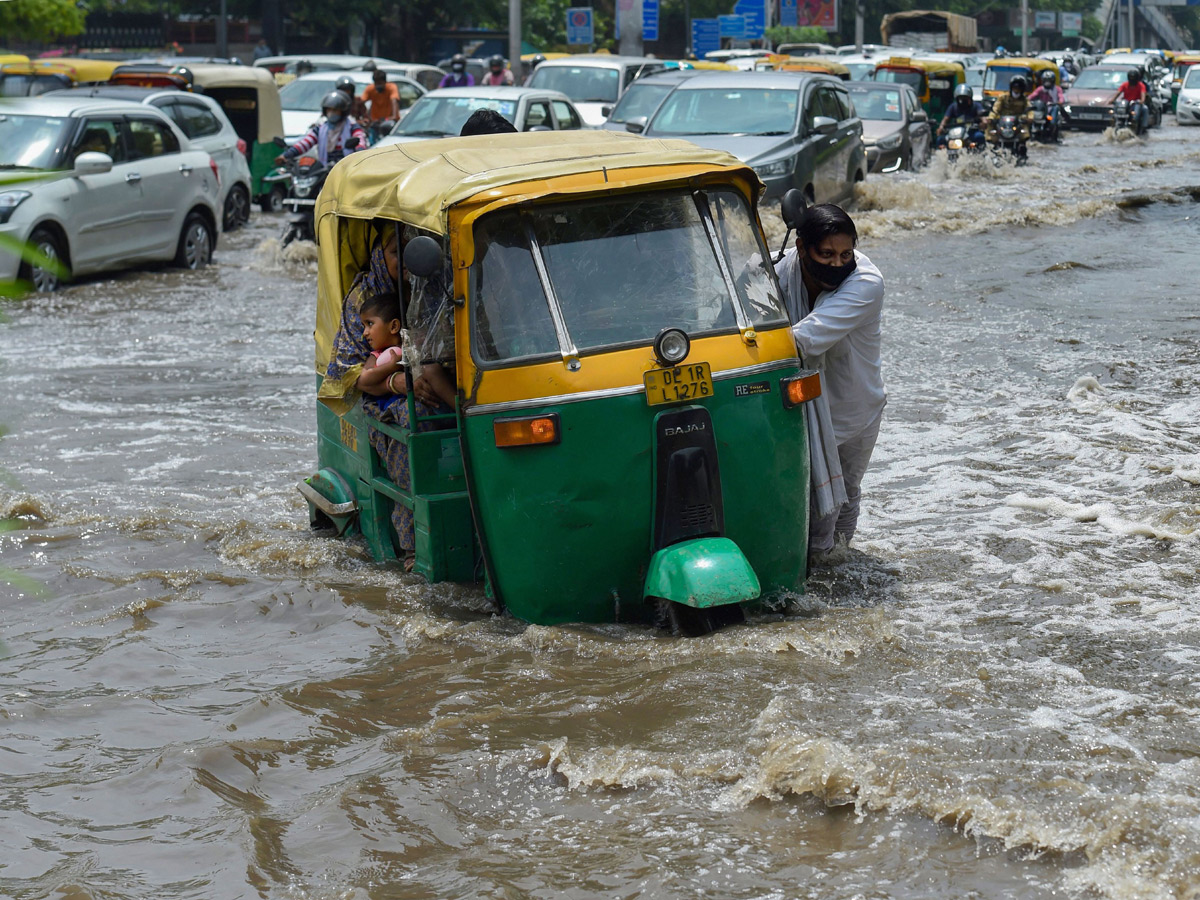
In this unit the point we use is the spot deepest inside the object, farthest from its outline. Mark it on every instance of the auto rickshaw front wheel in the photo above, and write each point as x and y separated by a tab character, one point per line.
688	621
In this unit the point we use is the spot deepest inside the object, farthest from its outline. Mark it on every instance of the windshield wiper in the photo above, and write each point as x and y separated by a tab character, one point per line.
770	133
596	100
428	132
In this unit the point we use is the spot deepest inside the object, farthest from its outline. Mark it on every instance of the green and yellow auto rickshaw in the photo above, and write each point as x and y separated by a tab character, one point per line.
250	100
628	439
934	80
998	73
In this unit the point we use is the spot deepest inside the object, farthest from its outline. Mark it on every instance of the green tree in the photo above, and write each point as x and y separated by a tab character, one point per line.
787	34
39	20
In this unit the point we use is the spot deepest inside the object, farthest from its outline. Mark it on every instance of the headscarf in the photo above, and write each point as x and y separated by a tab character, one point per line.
350	345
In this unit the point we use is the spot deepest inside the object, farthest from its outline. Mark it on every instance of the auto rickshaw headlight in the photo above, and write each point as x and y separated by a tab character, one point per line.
526	431
805	385
672	346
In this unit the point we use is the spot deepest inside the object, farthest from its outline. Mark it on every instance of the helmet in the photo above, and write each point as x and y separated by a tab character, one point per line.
963	92
1000	51
537	60
496	63
1047	78
458	62
1135	75
336	100
1018	83
346	85
303	66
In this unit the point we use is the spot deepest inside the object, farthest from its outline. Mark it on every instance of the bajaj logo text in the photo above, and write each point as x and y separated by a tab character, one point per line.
682	429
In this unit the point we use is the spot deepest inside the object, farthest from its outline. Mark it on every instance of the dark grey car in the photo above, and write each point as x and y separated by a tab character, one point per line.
896	130
796	129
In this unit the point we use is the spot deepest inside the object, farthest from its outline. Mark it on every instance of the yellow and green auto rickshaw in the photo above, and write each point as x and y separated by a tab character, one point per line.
813	64
248	96
38	76
628	439
998	73
934	80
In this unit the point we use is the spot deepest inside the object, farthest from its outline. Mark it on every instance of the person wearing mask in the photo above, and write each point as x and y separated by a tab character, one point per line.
1052	95
1134	90
498	74
1014	103
331	137
965	110
349	87
458	75
536	61
834	297
383	101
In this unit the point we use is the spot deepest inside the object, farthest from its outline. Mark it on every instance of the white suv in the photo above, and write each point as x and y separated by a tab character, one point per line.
116	184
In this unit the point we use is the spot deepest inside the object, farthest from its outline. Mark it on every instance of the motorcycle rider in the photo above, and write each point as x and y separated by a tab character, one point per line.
498	74
1134	90
383	98
1052	95
458	75
537	60
1014	103
348	86
331	136
965	110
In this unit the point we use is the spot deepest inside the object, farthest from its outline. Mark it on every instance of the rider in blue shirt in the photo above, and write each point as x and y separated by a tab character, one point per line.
964	107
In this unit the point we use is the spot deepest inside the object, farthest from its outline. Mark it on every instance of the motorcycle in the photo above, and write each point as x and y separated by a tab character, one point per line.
306	176
1009	135
1127	115
960	139
1044	128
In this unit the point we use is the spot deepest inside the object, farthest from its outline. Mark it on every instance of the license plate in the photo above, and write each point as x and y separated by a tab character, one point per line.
691	382
1089	115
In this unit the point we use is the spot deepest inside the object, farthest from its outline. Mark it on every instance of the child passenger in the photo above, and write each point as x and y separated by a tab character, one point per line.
380	316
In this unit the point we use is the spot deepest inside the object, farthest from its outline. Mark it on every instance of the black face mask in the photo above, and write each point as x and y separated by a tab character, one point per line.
826	275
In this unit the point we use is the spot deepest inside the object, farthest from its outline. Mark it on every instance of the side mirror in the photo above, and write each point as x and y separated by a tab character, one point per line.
540	128
824	125
606	110
279	142
422	256
352	143
92	162
791	207
919	115
636	125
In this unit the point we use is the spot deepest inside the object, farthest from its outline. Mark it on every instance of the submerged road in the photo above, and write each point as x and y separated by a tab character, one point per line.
994	693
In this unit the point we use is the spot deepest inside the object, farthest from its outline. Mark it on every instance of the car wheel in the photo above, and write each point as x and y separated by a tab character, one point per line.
50	277
195	243
237	208
273	201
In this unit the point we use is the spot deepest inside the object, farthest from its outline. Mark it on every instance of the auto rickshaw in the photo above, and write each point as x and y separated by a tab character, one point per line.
629	437
814	64
999	72
38	76
933	80
1179	68
250	100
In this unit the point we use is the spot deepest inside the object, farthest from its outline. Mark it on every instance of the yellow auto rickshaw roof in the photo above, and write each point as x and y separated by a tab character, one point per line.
6	58
78	70
928	66
417	182
1186	59
811	64
222	75
1034	63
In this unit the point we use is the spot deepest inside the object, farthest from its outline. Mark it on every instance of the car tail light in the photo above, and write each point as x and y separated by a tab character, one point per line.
242	148
212	164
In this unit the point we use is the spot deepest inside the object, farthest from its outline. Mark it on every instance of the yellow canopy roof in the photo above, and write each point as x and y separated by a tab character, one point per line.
215	76
418	181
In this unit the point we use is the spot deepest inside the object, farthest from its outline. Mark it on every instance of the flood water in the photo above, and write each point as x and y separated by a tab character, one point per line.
995	693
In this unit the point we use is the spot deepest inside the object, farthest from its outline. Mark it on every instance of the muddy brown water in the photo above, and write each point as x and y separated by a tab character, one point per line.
994	694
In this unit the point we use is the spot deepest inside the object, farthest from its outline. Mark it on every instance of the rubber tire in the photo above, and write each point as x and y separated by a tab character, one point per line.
44	282
272	201
237	208
196	242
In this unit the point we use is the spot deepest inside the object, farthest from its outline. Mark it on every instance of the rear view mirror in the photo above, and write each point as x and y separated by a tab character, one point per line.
352	143
824	125
279	142
422	256
92	162
791	208
606	111
636	125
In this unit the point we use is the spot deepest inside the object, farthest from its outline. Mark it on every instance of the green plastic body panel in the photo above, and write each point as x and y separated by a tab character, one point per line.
701	573
568	527
261	162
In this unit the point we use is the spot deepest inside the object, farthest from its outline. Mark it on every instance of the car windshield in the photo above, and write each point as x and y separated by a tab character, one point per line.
728	111
668	276
583	84
914	80
446	115
975	78
29	142
878	106
640	100
1099	79
306	95
860	71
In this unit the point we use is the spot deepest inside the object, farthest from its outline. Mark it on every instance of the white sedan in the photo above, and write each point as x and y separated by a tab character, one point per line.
441	113
116	184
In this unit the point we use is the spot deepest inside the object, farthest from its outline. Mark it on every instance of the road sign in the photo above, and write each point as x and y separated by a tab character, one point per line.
649	20
732	26
706	36
755	14
579	25
788	13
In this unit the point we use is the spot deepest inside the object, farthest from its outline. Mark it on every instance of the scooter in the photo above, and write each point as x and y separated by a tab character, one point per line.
1009	135
1044	128
307	176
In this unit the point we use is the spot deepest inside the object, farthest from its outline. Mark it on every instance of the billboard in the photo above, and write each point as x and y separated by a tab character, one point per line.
1045	20
819	13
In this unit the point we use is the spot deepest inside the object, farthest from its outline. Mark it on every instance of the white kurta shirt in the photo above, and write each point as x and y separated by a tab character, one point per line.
840	335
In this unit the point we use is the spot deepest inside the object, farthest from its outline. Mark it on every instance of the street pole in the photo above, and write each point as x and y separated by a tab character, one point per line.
514	39
858	27
1132	26
222	33
1024	27
687	28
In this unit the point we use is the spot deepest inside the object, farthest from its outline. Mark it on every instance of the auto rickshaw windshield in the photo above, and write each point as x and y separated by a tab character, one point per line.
604	273
914	79
997	78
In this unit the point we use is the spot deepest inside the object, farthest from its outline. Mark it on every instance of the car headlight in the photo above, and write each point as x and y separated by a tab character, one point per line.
889	143
1066	107
9	201
955	143
774	169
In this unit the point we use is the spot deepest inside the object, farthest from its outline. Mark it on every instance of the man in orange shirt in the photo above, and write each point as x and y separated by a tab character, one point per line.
383	100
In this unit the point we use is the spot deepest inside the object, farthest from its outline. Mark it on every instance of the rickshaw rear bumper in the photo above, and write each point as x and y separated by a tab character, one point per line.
701	573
